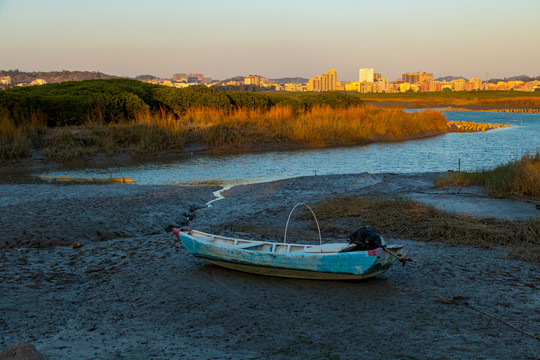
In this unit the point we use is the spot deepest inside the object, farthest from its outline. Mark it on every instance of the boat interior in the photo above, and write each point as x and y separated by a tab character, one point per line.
272	247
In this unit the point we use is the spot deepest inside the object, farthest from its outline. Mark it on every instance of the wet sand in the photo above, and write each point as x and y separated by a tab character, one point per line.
130	291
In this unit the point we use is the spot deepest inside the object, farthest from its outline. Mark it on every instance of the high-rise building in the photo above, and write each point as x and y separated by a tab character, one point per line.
324	82
427	85
411	78
458	84
425	76
383	84
252	80
476	83
416	78
332	79
366	75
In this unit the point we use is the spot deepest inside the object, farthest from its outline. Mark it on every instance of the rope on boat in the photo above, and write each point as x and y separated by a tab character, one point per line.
402	258
457	301
287	225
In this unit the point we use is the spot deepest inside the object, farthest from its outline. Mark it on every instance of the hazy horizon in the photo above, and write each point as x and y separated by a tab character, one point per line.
281	39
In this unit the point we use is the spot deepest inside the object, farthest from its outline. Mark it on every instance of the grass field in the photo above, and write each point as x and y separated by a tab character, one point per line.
502	98
518	178
403	218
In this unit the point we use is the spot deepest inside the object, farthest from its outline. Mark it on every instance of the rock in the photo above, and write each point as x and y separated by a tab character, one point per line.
22	351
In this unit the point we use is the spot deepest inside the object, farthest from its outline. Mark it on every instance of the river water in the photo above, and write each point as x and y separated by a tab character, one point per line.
471	150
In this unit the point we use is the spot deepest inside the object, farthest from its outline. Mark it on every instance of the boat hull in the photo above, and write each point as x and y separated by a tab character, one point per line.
290	273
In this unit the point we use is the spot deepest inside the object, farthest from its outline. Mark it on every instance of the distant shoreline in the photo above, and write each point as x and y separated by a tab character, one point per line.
450	107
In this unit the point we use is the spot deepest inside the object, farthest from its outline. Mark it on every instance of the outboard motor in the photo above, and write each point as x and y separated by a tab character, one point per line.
364	238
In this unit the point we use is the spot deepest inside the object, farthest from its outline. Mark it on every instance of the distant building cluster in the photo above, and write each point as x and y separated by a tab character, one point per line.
5	82
368	82
191	78
256	80
183	80
371	82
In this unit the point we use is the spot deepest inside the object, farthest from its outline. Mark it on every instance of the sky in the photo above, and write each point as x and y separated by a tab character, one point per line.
278	38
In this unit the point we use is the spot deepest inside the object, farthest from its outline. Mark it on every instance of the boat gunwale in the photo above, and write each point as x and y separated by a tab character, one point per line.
299	253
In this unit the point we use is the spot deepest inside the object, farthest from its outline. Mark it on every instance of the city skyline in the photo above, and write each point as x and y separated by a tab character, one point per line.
282	39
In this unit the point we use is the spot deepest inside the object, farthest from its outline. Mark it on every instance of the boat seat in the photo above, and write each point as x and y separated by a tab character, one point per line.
206	239
246	245
326	248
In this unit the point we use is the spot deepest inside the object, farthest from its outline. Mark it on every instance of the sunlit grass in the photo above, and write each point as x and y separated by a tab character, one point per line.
518	178
320	125
500	98
403	218
520	101
151	132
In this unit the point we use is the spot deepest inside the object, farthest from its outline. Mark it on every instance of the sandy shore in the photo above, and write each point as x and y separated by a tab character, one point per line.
132	292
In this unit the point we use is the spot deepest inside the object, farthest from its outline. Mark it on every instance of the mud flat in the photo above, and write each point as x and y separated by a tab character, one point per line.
138	294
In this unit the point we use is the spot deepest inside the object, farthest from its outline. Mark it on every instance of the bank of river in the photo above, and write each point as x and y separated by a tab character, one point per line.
130	291
468	151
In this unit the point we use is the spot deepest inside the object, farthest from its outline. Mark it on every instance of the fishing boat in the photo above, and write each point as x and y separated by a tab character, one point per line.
365	257
326	261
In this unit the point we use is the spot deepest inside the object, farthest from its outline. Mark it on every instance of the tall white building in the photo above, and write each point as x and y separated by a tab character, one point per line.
366	75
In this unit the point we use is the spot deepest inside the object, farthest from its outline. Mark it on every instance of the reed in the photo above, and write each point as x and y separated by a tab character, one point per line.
150	132
146	134
456	98
320	125
404	218
519	101
518	178
18	139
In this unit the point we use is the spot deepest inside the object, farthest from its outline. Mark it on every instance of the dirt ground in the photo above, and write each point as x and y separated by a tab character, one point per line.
132	292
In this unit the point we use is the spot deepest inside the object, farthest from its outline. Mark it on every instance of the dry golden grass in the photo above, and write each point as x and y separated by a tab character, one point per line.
456	99
409	219
518	178
18	140
319	126
217	128
518	101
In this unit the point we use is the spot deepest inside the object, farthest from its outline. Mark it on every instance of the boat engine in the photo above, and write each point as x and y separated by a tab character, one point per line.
365	238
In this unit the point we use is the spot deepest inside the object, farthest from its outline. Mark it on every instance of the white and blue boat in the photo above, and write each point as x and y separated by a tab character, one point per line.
324	261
